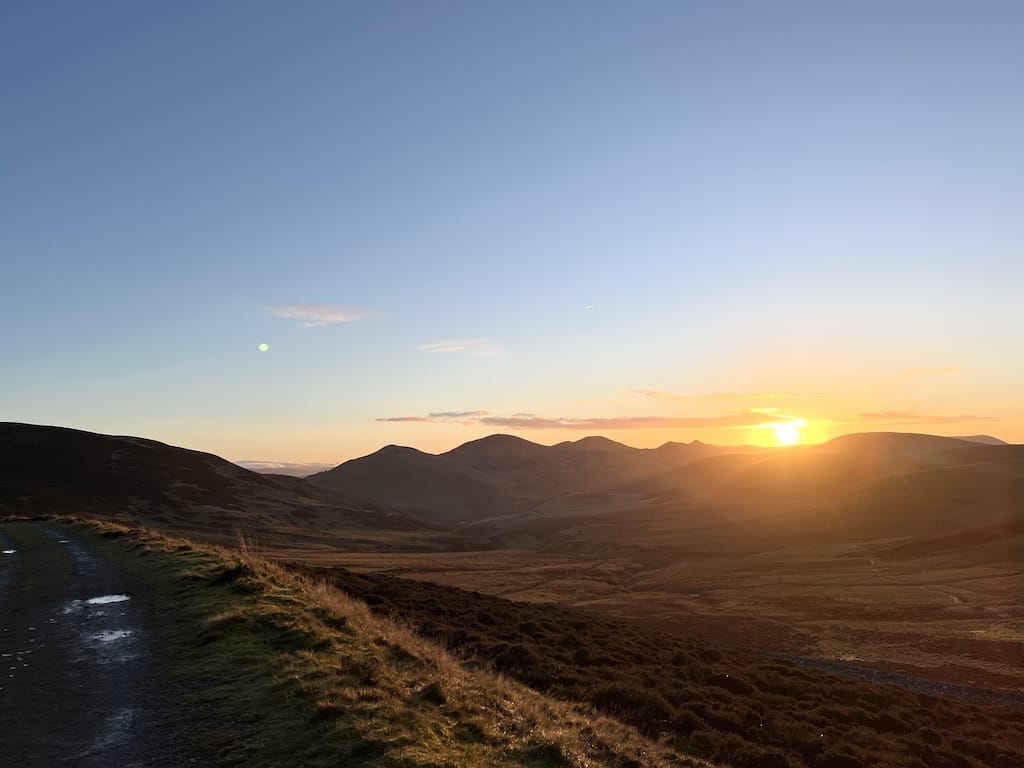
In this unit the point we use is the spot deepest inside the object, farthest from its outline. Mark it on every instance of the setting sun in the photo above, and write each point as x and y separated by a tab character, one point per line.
788	433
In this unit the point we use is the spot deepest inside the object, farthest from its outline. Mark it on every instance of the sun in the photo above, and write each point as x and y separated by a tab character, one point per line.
788	433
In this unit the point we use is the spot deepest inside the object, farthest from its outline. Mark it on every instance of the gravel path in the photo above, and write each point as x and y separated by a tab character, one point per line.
82	680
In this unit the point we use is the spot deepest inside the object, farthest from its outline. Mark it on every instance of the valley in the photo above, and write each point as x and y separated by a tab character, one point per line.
899	552
877	559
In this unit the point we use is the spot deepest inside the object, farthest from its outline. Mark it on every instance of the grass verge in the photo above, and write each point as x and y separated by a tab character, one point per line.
299	673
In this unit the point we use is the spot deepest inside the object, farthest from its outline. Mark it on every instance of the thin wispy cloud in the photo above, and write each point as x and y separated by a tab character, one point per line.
317	315
750	418
911	417
444	417
469	346
745	418
916	373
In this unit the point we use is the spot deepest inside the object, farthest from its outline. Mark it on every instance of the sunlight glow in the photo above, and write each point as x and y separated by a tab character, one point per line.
788	433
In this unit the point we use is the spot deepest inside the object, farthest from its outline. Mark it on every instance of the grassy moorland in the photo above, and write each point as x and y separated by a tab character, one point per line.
300	673
902	552
897	553
732	707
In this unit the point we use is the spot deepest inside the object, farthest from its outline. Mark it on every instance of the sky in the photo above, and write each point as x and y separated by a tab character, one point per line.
298	232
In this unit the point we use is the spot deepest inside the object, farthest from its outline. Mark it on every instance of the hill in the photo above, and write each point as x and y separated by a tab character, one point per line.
883	556
502	475
986	439
423	484
54	470
900	551
782	476
506	477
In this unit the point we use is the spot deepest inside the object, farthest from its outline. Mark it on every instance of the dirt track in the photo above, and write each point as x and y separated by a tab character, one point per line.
82	678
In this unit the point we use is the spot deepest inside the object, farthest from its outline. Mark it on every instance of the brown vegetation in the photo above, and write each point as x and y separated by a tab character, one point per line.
724	705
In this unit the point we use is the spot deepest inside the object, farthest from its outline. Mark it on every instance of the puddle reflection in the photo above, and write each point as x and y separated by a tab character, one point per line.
111	635
104	599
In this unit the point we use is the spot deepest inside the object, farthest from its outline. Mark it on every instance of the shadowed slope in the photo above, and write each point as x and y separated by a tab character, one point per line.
500	474
49	470
434	487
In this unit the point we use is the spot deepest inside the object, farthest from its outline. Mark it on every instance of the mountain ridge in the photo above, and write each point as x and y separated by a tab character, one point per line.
49	470
502	475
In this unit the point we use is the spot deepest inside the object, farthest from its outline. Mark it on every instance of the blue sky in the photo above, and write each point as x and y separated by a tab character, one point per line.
620	211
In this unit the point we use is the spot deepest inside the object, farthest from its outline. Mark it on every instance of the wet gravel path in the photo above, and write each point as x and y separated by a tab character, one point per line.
82	680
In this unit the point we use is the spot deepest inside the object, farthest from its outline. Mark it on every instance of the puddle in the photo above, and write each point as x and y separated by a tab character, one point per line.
116	730
103	600
10	551
76	605
63	541
111	635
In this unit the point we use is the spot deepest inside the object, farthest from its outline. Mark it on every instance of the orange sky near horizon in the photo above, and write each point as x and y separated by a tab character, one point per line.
640	418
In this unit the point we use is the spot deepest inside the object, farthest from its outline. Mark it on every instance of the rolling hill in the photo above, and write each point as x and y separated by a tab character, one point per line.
54	470
828	550
802	473
502	475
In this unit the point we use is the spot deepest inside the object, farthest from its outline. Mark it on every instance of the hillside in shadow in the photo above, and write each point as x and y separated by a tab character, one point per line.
53	470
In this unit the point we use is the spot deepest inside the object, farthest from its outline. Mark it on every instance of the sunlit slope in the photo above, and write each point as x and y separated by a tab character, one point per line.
984	493
886	489
52	470
808	472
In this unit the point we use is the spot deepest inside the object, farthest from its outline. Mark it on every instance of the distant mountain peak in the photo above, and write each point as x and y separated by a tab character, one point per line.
398	449
500	438
496	446
598	440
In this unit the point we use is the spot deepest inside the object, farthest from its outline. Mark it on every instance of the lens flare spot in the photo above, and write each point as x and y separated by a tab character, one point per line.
264	347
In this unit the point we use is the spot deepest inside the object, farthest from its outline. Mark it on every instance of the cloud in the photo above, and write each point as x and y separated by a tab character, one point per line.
470	346
911	417
915	373
657	394
598	423
317	315
458	415
446	417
